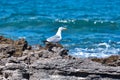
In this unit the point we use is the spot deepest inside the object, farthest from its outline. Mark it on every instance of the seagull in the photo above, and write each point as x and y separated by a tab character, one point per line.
57	37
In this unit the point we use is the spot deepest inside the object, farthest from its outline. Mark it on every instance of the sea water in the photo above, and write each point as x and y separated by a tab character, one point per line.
93	25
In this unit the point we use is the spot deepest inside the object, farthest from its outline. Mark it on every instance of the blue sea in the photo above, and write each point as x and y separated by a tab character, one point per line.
93	26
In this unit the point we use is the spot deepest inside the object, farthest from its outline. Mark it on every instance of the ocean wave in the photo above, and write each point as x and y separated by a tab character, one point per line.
35	20
101	50
98	52
90	25
87	21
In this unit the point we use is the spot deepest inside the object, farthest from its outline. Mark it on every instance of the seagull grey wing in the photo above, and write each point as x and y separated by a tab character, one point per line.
54	39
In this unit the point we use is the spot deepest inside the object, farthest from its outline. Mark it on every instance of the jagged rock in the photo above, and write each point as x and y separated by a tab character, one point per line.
4	40
94	77
6	50
20	46
49	46
21	43
11	47
14	75
110	61
23	58
18	61
75	67
14	66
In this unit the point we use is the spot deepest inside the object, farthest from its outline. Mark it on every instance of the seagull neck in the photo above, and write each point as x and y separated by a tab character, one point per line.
58	32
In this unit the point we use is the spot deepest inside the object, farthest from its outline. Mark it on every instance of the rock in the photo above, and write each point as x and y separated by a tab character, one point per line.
42	75
50	45
18	61
62	52
14	66
6	50
14	75
110	61
4	40
10	47
84	68
94	77
23	58
20	46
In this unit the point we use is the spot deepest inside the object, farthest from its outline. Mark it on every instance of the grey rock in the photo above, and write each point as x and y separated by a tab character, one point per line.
6	50
52	62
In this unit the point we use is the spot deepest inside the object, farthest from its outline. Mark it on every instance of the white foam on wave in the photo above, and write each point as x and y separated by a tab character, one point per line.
65	21
118	42
95	22
112	21
22	37
80	52
87	20
33	17
104	44
101	50
84	19
103	21
98	21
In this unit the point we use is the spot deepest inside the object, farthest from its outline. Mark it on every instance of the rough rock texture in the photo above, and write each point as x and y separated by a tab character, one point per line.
4	40
6	50
13	47
69	68
20	45
110	61
52	62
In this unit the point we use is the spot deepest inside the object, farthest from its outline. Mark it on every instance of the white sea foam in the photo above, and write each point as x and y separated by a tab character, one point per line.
98	21
104	44
35	17
79	52
65	21
86	20
112	21
99	51
22	37
101	21
118	42
95	22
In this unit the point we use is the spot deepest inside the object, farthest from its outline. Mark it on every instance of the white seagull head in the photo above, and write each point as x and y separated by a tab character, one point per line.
62	28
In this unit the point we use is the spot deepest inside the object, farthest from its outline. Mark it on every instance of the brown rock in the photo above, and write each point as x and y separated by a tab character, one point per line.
21	44
6	50
4	40
49	46
12	47
113	60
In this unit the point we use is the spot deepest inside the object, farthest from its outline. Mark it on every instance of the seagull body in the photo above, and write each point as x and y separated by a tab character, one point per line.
57	37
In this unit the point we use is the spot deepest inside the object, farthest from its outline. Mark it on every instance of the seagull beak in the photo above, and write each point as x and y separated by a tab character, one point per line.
65	28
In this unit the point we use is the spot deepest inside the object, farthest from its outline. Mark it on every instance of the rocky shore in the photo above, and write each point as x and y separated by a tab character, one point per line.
20	61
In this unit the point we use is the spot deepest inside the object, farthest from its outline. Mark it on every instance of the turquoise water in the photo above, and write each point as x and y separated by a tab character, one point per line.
93	26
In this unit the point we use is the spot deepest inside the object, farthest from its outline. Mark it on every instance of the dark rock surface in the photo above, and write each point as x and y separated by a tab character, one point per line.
18	61
113	60
13	47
